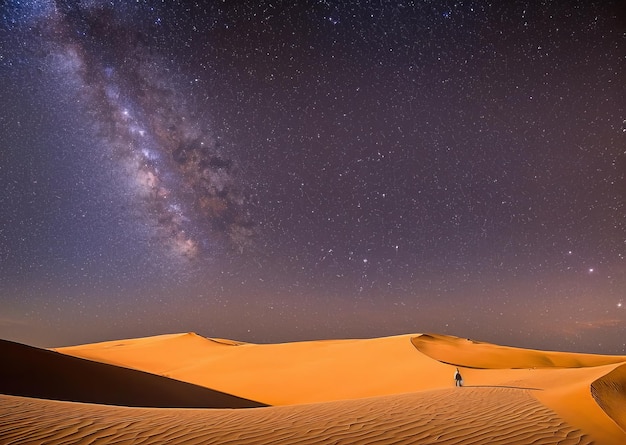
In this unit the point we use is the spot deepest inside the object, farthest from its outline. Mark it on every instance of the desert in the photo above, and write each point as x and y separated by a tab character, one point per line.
185	388
278	222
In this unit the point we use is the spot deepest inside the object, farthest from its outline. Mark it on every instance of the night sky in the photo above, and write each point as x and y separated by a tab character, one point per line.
279	171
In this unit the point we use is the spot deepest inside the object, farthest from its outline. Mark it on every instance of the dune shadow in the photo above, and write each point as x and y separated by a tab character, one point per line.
33	372
609	392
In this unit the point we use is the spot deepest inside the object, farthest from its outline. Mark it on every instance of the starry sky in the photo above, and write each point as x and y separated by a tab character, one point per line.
276	171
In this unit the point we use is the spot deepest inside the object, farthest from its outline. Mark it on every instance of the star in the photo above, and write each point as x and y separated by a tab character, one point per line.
155	156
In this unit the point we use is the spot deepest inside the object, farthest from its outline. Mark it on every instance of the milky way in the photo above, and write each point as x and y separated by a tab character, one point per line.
276	171
170	159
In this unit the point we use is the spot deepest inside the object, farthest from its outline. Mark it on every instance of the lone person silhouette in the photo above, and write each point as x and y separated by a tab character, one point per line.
457	378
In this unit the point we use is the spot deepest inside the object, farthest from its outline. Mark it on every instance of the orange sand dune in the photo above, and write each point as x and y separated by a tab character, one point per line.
473	354
159	354
318	371
563	380
35	372
382	390
280	374
461	416
323	371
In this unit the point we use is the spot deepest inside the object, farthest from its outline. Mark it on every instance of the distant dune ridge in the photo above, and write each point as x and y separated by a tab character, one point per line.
383	390
474	354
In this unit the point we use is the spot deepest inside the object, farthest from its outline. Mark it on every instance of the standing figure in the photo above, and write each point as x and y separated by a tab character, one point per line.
457	378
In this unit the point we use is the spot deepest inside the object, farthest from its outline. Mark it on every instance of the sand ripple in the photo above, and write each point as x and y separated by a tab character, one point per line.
451	416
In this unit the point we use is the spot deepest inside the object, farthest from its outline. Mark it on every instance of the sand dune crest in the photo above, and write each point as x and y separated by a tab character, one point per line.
474	354
278	374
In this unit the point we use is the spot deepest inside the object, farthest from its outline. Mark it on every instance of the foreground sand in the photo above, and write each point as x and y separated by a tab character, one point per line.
384	390
465	416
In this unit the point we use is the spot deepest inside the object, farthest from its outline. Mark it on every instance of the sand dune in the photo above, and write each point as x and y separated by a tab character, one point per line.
610	393
563	380
472	416
384	390
303	372
473	354
34	372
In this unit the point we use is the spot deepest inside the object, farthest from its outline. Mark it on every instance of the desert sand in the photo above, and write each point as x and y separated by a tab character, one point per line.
34	372
384	390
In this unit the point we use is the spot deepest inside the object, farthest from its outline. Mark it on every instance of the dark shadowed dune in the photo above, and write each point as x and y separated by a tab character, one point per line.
609	392
33	372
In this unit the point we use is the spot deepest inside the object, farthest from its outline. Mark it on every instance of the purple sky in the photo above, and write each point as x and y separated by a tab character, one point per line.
269	172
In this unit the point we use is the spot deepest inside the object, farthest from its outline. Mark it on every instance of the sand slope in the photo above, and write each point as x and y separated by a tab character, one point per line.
563	381
610	393
472	416
35	372
384	390
280	374
474	354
